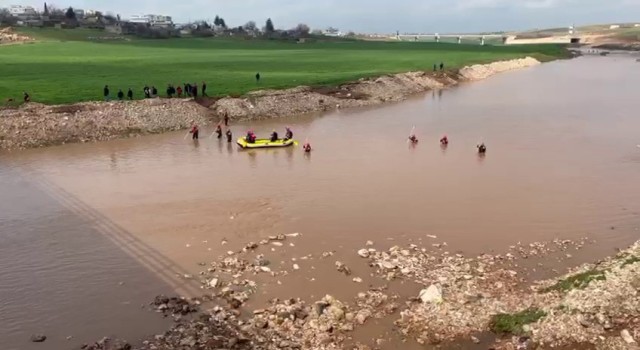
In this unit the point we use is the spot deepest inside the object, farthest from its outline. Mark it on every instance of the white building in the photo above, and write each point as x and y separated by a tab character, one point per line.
153	20
332	32
22	11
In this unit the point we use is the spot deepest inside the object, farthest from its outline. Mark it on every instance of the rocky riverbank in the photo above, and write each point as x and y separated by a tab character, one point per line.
456	299
364	92
36	125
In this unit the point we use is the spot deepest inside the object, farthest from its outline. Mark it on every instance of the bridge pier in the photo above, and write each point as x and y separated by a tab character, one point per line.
482	40
437	38
459	40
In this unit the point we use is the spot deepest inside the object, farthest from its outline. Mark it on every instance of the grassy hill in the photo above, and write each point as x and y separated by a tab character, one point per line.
73	65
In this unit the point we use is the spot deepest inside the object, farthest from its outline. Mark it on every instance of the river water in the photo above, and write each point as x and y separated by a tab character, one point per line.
89	233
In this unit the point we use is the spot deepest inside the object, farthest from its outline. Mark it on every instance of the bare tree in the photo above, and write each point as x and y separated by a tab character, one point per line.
250	26
302	29
6	18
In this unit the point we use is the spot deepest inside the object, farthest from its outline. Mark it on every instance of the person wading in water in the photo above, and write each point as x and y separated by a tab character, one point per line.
194	132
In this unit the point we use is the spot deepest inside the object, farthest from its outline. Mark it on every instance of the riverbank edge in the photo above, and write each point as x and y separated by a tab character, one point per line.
593	306
34	125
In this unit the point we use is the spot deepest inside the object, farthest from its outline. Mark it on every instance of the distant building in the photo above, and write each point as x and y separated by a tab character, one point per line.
80	13
332	32
152	20
23	12
614	26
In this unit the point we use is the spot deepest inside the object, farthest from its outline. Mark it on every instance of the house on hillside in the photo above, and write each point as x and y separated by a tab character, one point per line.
332	32
26	15
152	20
80	13
23	13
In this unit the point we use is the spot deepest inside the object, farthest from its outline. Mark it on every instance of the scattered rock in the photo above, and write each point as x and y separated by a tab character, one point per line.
341	267
363	253
626	336
38	338
431	295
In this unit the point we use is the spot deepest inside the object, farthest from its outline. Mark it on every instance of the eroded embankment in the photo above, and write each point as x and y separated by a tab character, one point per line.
36	125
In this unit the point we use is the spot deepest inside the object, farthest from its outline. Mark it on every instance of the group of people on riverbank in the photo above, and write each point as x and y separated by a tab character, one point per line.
189	90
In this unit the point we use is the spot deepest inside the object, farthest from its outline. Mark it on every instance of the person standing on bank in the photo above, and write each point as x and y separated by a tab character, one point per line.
105	92
130	94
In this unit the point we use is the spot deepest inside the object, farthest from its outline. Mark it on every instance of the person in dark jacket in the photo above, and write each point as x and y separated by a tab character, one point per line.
26	97
130	94
120	95
204	89
194	90
187	90
229	135
257	77
105	92
154	91
226	119
147	92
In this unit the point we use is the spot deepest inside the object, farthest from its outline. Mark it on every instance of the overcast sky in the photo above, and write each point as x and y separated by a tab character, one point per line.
382	16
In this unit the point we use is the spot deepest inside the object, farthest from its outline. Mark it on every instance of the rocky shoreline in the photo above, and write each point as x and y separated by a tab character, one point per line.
36	125
463	299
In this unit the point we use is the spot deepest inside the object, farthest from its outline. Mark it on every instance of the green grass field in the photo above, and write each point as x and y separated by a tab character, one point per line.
67	66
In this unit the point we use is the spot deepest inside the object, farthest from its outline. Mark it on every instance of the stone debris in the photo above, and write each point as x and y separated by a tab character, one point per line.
626	336
431	295
174	305
463	294
460	297
108	344
8	36
38	338
284	324
341	267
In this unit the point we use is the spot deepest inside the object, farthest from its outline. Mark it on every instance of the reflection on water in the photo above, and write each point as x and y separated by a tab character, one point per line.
562	162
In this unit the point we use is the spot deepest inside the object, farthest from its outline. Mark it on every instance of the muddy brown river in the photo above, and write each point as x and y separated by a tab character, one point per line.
90	233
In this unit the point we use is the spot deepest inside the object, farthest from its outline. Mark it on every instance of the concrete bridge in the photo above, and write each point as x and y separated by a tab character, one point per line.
480	38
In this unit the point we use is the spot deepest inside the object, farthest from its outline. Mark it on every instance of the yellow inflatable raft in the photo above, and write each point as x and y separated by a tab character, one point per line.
265	143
